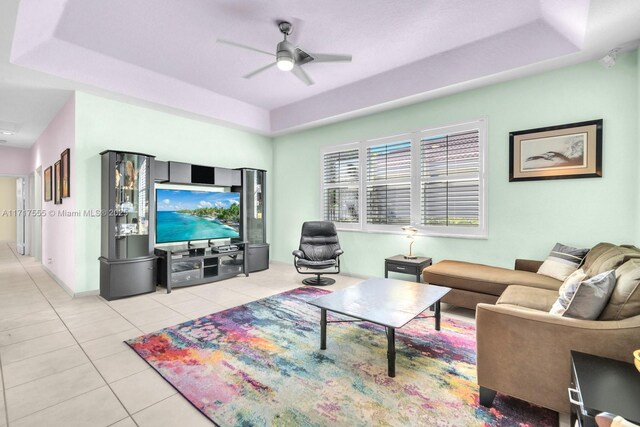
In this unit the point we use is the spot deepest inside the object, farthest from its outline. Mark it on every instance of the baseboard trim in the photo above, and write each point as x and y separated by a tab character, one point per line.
66	288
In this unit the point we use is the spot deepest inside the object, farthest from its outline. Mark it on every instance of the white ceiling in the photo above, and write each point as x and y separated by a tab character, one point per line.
164	53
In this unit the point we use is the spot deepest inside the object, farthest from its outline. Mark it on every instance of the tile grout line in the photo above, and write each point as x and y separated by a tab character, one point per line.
81	349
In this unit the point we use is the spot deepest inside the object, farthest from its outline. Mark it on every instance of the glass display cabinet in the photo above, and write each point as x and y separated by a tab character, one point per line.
253	229
127	263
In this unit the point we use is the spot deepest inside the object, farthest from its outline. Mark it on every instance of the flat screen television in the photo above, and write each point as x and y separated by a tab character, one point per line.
183	215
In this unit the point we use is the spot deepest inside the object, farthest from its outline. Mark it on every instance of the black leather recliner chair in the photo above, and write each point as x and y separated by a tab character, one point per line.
319	250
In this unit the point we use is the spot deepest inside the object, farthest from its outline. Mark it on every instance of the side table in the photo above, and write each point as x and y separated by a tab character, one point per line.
599	384
399	264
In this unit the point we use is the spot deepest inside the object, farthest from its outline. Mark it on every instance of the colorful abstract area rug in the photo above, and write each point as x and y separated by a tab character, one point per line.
259	364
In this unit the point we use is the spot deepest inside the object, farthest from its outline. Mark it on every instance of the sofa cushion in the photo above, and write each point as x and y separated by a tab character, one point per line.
611	259
484	278
528	297
595	253
562	261
625	299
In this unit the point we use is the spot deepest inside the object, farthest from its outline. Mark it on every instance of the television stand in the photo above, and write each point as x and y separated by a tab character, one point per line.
190	264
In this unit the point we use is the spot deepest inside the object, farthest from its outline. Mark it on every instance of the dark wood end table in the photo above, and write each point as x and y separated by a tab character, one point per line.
400	264
599	384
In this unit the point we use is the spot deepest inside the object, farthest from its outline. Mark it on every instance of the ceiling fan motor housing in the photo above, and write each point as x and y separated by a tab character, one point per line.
285	51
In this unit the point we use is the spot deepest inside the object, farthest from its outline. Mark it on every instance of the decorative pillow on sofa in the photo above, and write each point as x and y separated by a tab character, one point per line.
572	281
625	299
562	261
586	299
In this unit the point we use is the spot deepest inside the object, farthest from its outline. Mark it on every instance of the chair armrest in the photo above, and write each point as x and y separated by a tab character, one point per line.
337	253
298	253
531	265
526	353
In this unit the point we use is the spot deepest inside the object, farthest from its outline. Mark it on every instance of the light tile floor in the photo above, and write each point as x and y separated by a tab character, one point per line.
62	359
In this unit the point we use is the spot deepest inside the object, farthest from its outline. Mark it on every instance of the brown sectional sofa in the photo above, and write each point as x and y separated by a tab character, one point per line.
524	351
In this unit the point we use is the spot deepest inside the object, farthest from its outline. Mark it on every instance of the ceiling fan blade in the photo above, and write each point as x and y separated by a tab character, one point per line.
302	75
232	43
330	57
259	70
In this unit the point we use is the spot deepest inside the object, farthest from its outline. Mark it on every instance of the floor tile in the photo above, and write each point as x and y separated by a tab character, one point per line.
174	411
135	304
197	305
22	350
36	395
142	390
156	326
16	321
24	333
33	368
85	318
120	365
111	344
127	422
100	329
157	314
3	412
176	296
96	408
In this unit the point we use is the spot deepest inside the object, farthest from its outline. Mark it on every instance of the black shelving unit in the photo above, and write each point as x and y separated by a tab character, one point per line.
183	265
127	262
253	221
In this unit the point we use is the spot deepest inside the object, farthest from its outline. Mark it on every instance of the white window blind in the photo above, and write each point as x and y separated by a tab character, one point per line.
341	186
432	179
450	180
388	183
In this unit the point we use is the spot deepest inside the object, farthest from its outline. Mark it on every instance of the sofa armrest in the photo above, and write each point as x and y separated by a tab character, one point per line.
531	265
298	253
525	353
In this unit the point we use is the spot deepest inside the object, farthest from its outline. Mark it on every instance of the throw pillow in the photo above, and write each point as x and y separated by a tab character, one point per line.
562	261
587	299
566	291
572	281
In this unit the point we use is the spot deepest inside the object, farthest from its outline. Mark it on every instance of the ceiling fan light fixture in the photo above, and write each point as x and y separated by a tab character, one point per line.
284	56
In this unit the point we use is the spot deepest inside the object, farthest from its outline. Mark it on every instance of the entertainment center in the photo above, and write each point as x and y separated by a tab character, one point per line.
175	224
184	265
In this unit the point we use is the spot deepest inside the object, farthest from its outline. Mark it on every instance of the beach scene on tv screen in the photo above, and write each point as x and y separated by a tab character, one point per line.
184	215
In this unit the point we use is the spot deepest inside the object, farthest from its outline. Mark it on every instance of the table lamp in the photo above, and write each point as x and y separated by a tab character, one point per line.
410	232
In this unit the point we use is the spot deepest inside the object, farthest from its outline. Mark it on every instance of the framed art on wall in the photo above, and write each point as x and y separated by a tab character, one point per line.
47	184
66	180
57	183
557	152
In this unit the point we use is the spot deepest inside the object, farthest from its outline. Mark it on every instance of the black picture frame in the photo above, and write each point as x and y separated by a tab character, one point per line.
580	156
65	157
57	183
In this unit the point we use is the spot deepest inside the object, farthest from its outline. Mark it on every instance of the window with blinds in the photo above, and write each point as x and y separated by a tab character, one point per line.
450	180
432	179
341	186
388	179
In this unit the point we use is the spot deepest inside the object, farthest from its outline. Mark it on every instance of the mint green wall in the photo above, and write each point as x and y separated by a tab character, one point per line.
105	124
525	218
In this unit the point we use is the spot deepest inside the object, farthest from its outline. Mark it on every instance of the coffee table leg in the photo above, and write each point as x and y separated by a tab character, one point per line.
438	315
323	329
391	351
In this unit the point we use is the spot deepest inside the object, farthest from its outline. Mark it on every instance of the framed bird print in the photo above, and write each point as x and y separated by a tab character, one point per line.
556	152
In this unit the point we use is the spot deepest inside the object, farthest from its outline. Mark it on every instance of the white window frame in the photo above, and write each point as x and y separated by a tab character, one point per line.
480	232
354	226
365	145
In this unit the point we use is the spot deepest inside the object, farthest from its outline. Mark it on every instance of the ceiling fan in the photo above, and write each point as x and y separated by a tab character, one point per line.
290	57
